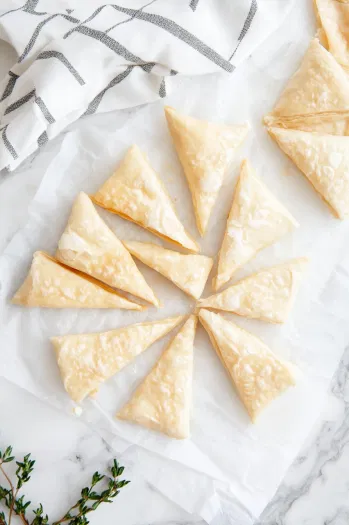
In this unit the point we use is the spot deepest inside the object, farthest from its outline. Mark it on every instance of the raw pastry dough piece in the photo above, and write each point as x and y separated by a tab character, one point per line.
136	193
324	160
257	374
316	97
188	272
163	401
87	360
333	18
267	295
88	245
256	220
51	284
205	150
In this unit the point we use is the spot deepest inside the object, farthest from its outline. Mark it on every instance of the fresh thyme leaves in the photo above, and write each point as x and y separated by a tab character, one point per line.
91	497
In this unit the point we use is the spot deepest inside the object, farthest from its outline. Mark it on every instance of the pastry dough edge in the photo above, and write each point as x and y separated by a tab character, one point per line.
154	232
329	206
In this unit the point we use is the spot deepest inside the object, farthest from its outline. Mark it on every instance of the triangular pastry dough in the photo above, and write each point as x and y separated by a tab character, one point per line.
267	295
88	245
188	272
163	401
136	193
87	360
324	160
51	284
257	374
205	150
256	220
333	18
316	97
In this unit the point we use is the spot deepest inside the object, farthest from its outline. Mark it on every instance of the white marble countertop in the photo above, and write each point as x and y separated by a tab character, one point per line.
315	490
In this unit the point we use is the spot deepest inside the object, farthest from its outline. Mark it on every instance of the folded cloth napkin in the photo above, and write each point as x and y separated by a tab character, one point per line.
78	57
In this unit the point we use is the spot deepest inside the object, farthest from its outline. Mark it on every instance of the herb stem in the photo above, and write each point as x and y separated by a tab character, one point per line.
90	499
13	499
15	494
7	478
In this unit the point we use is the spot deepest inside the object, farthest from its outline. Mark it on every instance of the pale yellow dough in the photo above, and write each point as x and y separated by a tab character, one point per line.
333	18
188	272
267	295
87	360
256	220
316	97
205	150
324	160
88	245
53	285
135	192
163	400
256	373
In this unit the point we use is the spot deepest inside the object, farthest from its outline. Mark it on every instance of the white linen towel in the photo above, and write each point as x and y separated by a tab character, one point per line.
77	58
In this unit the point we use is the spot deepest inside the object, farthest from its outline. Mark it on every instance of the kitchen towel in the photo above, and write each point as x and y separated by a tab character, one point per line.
78	58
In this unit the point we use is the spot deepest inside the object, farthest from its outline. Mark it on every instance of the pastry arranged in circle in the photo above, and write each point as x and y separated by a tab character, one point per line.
51	284
205	150
256	220
188	272
91	262
163	400
256	373
88	245
267	295
136	193
324	160
87	360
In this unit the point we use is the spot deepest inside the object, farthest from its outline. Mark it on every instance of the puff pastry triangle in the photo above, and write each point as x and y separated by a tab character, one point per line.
53	285
163	401
188	272
136	193
205	150
316	97
324	160
87	360
257	374
88	245
256	220
333	18
267	295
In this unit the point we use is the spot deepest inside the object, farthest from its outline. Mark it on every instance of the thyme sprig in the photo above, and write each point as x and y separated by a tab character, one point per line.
103	489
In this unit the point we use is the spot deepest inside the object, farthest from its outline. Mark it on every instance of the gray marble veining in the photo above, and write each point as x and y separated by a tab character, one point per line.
321	467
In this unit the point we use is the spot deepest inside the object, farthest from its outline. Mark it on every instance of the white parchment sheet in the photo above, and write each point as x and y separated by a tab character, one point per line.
240	464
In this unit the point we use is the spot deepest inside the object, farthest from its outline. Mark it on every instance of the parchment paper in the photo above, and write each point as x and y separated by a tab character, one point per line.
229	464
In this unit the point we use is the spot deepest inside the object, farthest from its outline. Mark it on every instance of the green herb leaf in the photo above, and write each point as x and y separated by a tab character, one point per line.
90	499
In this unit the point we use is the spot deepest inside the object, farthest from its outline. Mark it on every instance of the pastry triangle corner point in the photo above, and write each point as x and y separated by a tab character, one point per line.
205	150
258	375
162	402
253	205
89	246
267	295
136	193
87	360
302	104
52	284
187	271
316	155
